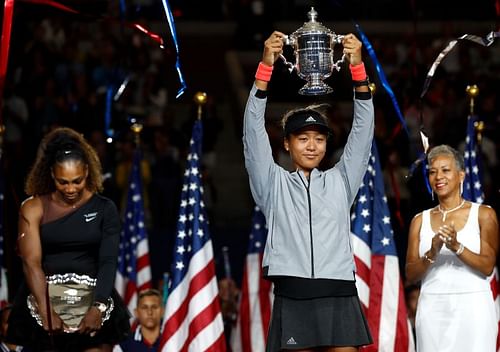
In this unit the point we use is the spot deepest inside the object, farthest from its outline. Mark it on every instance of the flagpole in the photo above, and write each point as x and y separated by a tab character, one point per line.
472	92
137	129
200	99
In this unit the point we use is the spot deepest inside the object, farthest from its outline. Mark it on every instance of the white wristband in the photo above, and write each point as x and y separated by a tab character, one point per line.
460	249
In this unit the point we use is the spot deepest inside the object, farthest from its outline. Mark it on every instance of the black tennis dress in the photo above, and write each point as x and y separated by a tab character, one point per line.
85	242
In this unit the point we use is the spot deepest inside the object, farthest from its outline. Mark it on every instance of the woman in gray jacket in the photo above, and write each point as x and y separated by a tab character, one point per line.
308	254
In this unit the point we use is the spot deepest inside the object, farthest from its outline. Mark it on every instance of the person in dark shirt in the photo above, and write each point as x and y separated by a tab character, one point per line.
69	237
149	313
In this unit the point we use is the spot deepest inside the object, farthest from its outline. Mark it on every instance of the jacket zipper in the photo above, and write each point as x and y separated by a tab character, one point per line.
310	222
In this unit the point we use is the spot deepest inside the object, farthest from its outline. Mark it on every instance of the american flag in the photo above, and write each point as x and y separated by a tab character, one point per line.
4	290
193	319
134	272
473	191
473	188
378	279
256	298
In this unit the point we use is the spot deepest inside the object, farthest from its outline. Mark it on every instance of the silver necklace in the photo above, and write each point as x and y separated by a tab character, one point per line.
445	212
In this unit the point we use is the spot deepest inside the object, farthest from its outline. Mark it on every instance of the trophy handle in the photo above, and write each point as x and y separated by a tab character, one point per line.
287	63
288	40
337	64
337	39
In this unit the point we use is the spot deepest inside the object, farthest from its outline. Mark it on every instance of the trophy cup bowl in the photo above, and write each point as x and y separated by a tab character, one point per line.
313	46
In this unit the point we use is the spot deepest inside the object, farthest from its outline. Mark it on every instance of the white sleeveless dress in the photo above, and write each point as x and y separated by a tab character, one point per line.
455	311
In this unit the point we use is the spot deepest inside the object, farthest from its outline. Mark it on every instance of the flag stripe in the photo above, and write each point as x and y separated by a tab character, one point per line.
199	262
198	324
197	284
256	297
265	290
390	294
378	279
219	344
473	191
134	270
192	320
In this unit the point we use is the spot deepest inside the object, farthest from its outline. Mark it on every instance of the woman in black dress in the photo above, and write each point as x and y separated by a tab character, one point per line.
67	233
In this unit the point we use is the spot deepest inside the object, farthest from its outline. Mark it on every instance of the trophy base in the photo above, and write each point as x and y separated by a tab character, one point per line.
315	89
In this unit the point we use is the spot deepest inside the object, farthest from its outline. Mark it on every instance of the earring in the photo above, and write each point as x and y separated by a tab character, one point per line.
432	195
461	188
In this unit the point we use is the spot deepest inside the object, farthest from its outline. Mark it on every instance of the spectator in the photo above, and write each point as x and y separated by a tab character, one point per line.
148	313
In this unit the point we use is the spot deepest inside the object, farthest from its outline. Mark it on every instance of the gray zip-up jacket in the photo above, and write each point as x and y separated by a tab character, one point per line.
308	220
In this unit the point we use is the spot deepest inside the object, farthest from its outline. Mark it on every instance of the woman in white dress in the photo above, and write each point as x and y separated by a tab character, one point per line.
452	250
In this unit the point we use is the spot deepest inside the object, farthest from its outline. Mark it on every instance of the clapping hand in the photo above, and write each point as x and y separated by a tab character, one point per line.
448	236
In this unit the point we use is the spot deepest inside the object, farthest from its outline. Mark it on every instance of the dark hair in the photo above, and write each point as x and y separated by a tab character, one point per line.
60	145
149	292
445	149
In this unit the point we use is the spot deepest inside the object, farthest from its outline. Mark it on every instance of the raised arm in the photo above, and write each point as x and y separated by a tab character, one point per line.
354	160
30	251
259	160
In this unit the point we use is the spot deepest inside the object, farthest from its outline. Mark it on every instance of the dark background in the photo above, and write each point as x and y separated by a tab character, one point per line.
62	82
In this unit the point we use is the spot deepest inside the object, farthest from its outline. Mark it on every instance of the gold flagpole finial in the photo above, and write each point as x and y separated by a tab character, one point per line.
472	92
137	129
200	98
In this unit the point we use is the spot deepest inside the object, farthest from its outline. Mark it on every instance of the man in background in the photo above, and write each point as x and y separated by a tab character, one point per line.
148	313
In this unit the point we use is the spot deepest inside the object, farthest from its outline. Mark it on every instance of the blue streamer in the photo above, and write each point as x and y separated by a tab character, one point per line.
107	114
426	175
122	9
381	76
170	19
421	160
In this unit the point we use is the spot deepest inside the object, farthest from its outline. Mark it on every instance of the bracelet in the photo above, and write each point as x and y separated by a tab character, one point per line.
264	72
460	249
358	72
429	259
365	82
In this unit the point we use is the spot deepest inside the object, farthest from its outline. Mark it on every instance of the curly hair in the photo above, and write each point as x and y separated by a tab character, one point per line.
59	145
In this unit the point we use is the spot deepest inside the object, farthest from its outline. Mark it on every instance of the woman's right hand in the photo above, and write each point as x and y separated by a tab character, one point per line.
58	325
436	245
273	47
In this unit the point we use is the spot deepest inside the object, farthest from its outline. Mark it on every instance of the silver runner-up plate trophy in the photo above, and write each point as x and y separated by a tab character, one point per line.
313	46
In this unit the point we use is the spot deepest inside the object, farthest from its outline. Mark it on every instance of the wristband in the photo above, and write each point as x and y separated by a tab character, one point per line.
429	259
358	72
264	72
460	249
365	82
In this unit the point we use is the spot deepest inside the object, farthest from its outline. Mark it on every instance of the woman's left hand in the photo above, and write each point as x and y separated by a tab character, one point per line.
91	322
448	235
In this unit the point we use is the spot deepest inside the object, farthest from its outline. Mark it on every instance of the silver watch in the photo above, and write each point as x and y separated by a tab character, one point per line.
101	306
